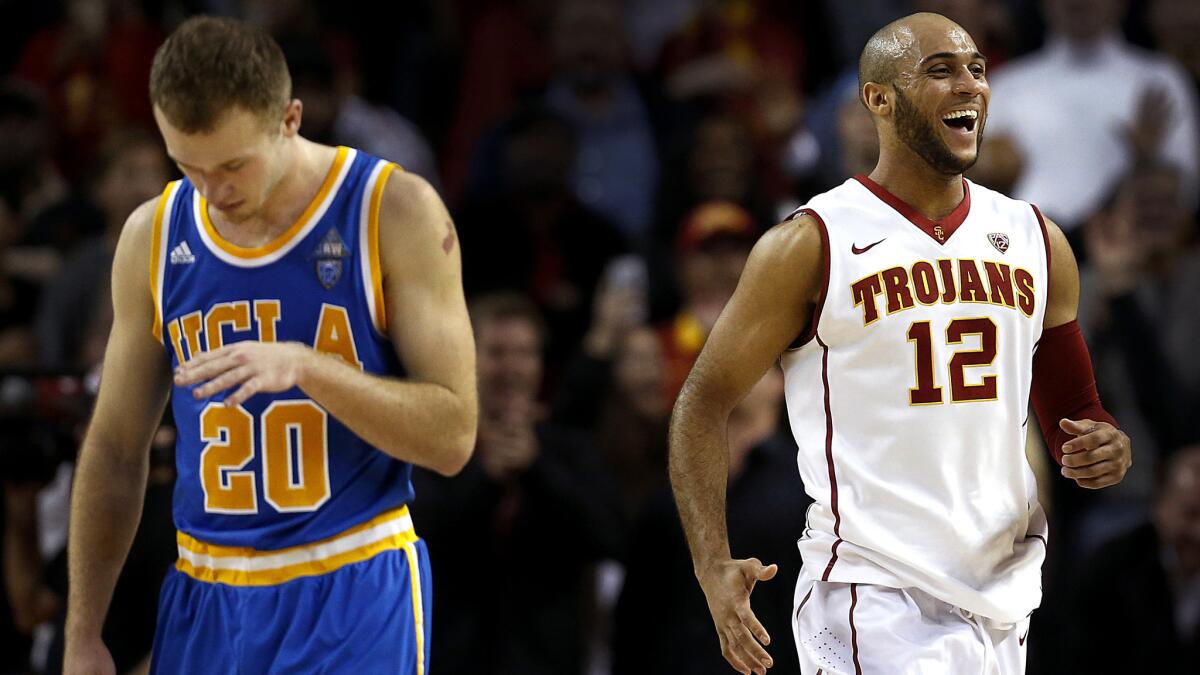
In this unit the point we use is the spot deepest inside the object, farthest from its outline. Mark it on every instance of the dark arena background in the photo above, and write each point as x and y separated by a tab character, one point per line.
609	164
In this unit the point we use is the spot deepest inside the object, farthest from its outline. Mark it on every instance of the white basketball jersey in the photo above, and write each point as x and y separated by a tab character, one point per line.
909	404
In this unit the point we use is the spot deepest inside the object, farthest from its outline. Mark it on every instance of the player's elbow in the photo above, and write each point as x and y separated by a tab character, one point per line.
455	456
456	446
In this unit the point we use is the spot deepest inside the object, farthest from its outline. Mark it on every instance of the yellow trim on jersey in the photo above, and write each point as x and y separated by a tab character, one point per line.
156	261
282	240
372	245
418	605
244	566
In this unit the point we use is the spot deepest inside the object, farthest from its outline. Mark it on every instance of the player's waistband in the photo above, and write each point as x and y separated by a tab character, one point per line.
243	566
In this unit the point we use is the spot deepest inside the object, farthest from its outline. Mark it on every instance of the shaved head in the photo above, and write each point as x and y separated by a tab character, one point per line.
893	48
923	80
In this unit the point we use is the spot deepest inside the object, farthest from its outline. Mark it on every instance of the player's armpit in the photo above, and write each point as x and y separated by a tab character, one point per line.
1062	305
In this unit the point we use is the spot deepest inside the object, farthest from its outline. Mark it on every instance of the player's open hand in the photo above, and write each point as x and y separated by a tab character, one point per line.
250	366
1098	456
727	585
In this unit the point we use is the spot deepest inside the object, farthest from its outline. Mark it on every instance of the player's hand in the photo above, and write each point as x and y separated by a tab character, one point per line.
250	366
87	657
727	585
1098	456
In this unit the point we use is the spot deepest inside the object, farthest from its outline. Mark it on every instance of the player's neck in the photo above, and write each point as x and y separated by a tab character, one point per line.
933	194
304	170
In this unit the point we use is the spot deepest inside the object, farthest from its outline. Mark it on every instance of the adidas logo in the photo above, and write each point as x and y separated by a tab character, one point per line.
182	255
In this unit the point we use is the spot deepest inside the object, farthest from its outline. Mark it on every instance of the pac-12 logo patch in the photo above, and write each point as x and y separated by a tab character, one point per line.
999	240
328	258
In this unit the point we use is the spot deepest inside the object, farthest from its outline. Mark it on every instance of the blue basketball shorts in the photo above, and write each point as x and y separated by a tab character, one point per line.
358	602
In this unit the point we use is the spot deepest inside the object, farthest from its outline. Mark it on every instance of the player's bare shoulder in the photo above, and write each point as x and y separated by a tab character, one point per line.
414	222
1063	303
134	248
789	259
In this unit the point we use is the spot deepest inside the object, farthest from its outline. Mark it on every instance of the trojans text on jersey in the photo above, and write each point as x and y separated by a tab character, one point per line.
944	281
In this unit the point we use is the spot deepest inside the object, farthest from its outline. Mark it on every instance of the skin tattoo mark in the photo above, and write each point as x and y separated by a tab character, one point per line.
448	242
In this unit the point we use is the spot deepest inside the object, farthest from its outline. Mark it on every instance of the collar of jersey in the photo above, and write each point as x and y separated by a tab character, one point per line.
284	243
949	224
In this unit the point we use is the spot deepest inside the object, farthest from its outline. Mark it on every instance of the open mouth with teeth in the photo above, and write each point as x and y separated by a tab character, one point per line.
961	119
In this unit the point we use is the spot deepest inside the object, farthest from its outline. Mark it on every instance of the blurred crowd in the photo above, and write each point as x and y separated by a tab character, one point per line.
609	164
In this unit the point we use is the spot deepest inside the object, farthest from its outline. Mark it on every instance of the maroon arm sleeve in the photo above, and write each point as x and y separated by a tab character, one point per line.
1064	385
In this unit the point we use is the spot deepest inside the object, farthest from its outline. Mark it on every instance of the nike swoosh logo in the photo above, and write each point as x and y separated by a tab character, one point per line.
1022	638
859	251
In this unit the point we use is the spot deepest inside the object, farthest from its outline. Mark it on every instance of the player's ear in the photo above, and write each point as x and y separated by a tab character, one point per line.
878	98
292	114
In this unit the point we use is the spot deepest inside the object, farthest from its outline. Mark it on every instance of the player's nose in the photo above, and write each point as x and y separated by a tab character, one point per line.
967	84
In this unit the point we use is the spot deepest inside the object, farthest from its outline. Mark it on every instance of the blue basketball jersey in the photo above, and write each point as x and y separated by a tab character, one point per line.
277	471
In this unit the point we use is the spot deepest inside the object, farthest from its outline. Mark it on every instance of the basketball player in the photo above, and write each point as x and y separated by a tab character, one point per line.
302	306
913	312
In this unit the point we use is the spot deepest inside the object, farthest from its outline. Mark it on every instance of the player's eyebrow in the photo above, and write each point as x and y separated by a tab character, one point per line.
224	164
975	56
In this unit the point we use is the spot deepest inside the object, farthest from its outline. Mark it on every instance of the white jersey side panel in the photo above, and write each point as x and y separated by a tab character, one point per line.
910	404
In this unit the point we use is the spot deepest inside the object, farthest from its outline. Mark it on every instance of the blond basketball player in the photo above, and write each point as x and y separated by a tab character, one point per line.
915	315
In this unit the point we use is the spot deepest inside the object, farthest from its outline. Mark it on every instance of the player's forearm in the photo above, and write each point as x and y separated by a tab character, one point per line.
106	505
699	469
419	422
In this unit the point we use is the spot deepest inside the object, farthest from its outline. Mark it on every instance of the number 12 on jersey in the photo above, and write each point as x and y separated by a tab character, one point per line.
927	392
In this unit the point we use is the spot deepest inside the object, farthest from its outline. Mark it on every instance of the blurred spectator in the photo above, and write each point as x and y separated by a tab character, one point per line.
619	307
1137	310
516	534
1085	107
335	114
93	66
816	165
663	625
711	250
1136	603
18	302
129	627
651	23
75	312
1137	306
732	47
507	56
29	182
532	235
740	55
26	599
1175	25
616	166
988	23
857	140
616	385
632	426
713	160
41	417
851	24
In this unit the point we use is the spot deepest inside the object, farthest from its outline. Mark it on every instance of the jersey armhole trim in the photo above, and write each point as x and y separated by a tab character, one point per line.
811	331
372	270
1049	258
159	237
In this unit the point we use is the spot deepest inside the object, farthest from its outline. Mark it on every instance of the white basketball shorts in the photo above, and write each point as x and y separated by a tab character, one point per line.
863	629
